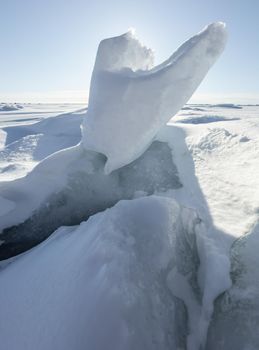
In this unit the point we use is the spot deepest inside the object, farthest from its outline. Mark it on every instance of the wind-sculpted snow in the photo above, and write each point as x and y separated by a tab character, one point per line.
128	104
106	284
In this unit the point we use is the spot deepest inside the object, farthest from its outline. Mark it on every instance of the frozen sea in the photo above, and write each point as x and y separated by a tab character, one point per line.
223	141
109	278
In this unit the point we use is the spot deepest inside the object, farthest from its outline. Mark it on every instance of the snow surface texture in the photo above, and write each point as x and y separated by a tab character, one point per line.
106	284
26	145
129	103
225	156
234	217
145	273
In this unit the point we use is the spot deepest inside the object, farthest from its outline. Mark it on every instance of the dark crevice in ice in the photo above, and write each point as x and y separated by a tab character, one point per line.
89	193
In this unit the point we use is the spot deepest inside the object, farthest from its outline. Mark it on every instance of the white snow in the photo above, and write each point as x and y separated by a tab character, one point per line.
225	157
27	145
129	105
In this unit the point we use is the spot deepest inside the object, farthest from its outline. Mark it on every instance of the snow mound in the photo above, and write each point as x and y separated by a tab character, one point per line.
106	284
129	105
215	139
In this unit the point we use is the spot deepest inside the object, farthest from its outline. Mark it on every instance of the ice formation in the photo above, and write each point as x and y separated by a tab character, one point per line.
129	101
120	118
147	270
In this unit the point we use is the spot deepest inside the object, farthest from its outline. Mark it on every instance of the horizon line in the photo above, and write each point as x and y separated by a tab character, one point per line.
81	97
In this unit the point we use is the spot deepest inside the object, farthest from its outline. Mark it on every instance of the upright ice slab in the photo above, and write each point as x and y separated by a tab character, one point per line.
130	101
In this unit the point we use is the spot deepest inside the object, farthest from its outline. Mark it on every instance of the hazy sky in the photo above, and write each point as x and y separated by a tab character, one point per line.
48	47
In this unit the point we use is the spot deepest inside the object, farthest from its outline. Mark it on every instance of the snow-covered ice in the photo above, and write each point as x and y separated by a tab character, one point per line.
225	153
103	284
235	322
27	145
6	107
147	272
190	159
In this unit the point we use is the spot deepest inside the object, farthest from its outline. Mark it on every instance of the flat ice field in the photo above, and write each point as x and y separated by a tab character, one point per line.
146	266
27	136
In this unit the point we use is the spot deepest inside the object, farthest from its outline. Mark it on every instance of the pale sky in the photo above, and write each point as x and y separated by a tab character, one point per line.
48	47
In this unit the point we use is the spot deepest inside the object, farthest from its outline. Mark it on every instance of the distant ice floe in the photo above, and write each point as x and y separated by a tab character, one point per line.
205	119
192	108
7	107
227	105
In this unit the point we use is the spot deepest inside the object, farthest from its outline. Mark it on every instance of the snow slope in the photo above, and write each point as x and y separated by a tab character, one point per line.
106	284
